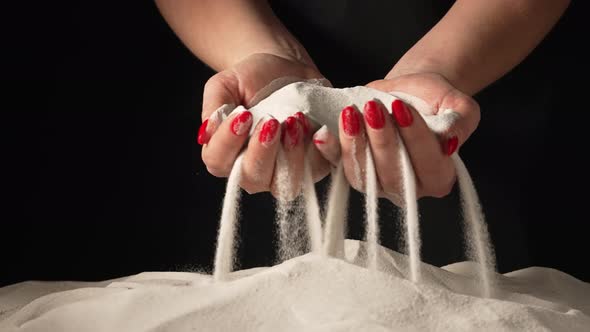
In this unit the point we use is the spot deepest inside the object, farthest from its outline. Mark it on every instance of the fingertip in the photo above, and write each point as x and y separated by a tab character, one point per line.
402	113
290	132
304	122
451	145
269	131
327	144
374	115
350	121
241	123
203	136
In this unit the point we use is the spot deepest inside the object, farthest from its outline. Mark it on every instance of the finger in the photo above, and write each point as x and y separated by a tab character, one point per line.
353	143
223	147
327	144
222	88
305	124
288	173
210	125
384	141
259	160
434	169
464	114
320	167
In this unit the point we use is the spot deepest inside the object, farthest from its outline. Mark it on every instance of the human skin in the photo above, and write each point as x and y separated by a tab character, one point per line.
481	40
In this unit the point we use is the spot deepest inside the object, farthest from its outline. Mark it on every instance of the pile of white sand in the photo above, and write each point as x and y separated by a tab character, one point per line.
307	293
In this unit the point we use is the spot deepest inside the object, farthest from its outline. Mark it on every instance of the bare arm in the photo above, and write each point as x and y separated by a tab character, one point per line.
223	32
478	41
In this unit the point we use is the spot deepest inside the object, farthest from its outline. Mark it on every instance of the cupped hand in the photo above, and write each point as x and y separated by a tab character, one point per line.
224	140
429	152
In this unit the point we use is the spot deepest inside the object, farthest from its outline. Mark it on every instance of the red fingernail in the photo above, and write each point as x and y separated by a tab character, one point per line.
318	141
350	121
241	123
452	145
374	115
268	132
402	113
304	122
290	136
203	136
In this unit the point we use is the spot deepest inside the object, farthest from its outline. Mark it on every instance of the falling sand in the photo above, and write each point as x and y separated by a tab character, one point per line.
371	210
323	105
341	285
224	256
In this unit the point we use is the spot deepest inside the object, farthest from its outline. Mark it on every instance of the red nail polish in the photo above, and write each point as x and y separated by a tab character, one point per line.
318	141
374	115
452	145
241	123
268	131
290	134
203	136
350	121
402	113
304	122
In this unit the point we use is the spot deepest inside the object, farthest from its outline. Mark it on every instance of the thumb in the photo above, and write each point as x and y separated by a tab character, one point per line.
221	89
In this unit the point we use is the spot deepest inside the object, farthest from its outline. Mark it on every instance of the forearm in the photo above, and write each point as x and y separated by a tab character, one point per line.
222	32
478	41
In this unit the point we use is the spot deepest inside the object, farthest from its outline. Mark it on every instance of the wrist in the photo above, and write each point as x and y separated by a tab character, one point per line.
286	48
424	65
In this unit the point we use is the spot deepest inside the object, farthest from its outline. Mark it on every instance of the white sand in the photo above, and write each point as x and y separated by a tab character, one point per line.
224	256
323	104
312	210
371	210
308	293
412	221
332	290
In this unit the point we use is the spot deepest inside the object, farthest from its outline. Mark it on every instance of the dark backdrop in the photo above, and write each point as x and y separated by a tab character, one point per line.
104	177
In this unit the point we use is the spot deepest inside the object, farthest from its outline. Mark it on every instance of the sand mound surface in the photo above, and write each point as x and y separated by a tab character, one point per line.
307	293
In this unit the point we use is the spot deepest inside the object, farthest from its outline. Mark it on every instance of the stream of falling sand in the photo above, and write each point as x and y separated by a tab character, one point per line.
411	218
477	238
312	209
371	210
224	255
289	213
335	225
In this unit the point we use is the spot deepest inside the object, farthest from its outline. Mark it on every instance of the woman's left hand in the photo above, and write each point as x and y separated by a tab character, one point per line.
429	152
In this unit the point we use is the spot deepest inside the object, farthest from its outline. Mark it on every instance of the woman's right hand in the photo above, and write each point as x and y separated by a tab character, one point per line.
223	141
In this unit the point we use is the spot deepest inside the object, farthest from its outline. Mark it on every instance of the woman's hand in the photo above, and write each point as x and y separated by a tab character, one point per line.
429	152
222	142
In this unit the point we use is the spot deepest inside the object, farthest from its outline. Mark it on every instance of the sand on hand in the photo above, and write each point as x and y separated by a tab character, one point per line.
341	285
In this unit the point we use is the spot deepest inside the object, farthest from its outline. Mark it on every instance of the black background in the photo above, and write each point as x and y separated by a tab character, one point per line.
103	176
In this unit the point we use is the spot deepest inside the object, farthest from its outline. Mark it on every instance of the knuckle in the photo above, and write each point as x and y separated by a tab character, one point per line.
442	188
381	141
217	172
390	183
321	173
353	179
219	167
216	166
439	182
356	185
252	184
251	188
